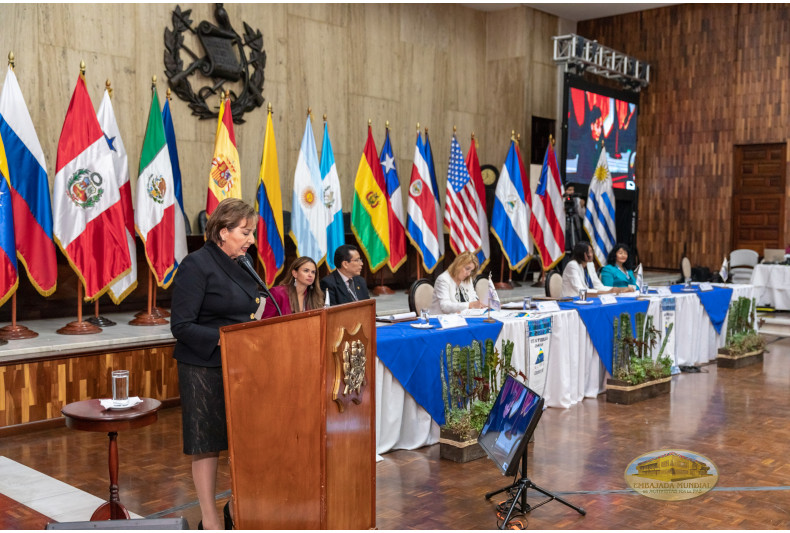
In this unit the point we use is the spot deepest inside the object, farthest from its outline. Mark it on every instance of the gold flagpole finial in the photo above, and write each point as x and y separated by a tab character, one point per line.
222	95
269	108
370	123
11	60
513	135
168	94
153	82
426	131
387	125
82	69
309	111
551	139
473	136
108	87
418	127
518	139
455	129
324	117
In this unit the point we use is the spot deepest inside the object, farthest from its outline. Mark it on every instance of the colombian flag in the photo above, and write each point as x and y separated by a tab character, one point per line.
271	250
369	215
225	176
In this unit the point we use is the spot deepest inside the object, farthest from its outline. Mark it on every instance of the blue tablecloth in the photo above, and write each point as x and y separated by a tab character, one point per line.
599	321
412	355
715	302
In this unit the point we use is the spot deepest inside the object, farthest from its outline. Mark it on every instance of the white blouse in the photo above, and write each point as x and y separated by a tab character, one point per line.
449	297
573	279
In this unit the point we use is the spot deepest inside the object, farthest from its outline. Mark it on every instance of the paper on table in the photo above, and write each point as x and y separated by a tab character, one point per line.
474	312
109	404
397	316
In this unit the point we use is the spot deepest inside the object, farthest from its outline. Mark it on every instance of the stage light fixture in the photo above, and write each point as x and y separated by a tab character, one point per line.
580	54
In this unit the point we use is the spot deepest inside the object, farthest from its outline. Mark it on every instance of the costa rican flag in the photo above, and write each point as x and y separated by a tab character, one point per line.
422	224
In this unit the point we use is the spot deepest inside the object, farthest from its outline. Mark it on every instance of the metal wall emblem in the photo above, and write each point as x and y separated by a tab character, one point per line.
350	367
232	62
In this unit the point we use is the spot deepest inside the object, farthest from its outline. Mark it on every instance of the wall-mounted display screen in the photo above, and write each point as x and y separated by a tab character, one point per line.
597	117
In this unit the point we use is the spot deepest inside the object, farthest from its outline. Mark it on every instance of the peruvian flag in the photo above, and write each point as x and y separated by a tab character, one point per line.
154	216
88	215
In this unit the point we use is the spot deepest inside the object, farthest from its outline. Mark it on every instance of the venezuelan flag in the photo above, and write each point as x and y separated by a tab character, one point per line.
369	215
271	249
225	175
9	271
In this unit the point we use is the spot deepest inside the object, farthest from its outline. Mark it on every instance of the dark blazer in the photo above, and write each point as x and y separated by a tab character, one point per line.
210	290
338	290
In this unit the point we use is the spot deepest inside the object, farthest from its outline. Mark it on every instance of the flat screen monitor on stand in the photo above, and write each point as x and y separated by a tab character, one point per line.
504	438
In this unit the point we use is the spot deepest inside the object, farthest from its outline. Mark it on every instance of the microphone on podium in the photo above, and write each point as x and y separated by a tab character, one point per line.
245	263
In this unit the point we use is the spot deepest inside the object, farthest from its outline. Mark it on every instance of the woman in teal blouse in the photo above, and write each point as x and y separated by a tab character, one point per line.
618	271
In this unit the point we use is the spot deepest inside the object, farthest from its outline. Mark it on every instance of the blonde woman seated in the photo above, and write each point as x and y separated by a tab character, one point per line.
298	292
453	290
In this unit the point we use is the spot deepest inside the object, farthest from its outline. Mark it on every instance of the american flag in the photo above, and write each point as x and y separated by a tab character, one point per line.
461	205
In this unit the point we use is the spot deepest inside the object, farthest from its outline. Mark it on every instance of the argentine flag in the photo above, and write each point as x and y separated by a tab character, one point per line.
309	215
335	236
599	219
510	218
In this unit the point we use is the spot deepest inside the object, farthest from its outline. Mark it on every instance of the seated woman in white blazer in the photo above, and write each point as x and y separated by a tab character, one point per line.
580	273
453	290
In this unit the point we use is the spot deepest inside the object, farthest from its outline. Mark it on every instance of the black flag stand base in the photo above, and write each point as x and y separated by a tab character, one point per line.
98	320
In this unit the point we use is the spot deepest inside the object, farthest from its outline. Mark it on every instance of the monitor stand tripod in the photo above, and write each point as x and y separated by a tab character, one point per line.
518	498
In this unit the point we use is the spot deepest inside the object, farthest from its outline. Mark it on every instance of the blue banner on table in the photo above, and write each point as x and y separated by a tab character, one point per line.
413	355
599	320
716	302
538	344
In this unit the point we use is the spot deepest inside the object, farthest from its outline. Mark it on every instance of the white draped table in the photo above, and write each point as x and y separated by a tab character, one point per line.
772	285
574	370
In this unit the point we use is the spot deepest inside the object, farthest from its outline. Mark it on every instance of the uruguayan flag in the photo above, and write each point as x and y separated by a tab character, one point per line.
510	219
599	219
335	235
309	216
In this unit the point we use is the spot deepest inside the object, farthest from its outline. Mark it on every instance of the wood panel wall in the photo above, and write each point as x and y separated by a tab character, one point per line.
36	391
719	78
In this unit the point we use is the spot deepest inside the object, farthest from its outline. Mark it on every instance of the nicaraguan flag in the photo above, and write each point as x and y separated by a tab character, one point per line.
422	224
29	189
335	234
178	217
510	219
309	215
599	219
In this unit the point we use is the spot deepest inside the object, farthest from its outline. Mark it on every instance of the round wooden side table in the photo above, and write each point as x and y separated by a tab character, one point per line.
89	415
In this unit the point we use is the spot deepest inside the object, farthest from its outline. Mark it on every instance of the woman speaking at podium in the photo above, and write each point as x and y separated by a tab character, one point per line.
299	291
210	290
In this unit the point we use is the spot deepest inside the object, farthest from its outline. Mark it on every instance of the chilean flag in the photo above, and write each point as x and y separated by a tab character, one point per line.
88	215
422	225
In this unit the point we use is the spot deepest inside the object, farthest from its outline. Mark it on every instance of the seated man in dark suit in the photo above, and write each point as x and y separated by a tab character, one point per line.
345	285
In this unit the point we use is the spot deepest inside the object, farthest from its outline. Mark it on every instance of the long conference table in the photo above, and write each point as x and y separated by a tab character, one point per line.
772	285
574	368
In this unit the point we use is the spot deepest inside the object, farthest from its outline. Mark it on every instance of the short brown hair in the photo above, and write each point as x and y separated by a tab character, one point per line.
461	260
228	215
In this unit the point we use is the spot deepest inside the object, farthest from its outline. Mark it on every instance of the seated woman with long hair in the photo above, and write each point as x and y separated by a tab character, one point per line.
618	271
299	291
580	274
453	290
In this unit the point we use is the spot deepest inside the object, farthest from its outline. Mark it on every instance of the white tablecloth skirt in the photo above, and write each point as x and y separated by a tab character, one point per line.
772	285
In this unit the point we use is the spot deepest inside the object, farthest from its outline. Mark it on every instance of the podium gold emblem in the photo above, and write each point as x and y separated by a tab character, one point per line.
350	367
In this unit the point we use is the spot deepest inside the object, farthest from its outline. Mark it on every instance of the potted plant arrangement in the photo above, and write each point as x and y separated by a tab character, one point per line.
637	376
744	346
471	377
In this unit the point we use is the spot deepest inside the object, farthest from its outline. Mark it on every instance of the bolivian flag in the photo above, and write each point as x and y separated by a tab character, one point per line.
369	216
225	175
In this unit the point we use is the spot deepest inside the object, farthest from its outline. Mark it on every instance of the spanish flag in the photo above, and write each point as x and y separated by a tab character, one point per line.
225	176
369	215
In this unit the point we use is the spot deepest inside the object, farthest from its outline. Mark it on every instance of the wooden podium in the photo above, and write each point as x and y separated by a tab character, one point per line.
300	402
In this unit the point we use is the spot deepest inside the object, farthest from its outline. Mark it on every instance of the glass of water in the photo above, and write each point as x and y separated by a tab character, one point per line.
644	289
688	283
582	295
120	388
527	303
424	317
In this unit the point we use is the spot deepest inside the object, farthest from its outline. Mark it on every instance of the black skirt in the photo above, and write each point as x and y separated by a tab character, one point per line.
202	409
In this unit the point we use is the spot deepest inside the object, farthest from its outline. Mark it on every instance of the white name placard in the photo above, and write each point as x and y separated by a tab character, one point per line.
608	299
663	291
451	321
548	307
705	286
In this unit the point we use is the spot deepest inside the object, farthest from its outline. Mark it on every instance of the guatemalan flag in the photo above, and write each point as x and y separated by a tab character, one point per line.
422	225
106	116
599	218
395	205
428	156
155	214
473	164
309	215
9	274
270	243
335	234
547	225
29	189
179	219
89	225
510	219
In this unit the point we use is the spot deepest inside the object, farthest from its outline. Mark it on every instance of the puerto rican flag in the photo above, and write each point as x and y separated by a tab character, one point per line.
422	224
88	216
547	224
